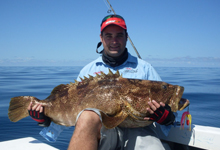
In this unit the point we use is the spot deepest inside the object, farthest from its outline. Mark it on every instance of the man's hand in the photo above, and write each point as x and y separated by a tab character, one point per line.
160	113
36	113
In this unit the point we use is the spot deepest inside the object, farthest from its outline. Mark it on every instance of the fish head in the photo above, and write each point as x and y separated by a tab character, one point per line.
139	92
166	93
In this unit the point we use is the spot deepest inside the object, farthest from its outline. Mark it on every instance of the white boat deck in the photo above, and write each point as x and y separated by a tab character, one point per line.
28	143
204	137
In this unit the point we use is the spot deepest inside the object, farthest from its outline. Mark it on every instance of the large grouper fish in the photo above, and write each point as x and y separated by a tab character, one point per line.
121	101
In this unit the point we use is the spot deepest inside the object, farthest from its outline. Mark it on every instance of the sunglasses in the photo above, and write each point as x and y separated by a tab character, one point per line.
111	16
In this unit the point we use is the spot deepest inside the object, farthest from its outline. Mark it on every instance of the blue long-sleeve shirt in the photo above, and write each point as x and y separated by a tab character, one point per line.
133	68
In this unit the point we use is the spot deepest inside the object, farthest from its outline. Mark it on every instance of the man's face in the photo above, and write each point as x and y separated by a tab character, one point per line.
114	40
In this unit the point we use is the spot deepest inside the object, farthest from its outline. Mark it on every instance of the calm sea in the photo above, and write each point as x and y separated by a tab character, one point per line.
202	88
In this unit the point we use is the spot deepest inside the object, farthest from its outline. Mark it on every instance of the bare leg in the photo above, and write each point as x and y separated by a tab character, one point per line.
87	132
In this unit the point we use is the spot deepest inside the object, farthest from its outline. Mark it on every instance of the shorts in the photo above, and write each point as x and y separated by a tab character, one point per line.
143	138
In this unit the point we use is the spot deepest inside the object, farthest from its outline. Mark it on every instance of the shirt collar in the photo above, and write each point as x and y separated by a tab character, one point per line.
131	58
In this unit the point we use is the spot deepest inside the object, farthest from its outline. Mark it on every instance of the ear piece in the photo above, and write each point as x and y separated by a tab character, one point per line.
98	45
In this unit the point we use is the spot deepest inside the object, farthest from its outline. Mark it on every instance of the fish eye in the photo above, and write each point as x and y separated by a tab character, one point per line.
164	87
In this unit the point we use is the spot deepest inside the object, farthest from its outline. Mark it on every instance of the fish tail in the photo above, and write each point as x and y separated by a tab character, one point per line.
18	107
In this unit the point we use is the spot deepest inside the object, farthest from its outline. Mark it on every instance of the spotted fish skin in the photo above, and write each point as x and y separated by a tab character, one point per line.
122	102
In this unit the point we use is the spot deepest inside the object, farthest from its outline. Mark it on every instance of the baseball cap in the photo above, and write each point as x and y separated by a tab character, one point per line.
113	20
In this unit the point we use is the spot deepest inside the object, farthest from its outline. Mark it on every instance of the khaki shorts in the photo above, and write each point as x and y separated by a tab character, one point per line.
127	138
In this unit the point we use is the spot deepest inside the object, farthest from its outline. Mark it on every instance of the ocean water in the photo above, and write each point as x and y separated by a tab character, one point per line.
202	88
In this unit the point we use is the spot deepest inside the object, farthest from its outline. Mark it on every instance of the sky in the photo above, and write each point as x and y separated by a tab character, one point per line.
169	33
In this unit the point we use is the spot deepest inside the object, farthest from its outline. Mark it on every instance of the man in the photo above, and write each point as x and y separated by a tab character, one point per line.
89	133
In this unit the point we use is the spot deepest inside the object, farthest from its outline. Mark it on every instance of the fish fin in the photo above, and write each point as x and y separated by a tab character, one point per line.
18	107
76	82
103	75
110	73
91	77
118	75
61	89
81	79
111	122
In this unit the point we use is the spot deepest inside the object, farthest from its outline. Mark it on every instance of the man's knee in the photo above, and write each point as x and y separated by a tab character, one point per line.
89	119
87	129
88	116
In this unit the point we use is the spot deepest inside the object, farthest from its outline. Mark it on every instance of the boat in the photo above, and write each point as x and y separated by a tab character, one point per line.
26	143
198	138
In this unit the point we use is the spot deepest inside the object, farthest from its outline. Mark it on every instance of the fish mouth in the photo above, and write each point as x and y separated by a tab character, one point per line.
183	103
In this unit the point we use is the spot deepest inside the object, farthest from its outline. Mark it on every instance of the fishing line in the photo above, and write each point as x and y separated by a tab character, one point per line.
109	9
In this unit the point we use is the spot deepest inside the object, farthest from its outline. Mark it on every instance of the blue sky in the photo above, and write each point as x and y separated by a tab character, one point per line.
54	32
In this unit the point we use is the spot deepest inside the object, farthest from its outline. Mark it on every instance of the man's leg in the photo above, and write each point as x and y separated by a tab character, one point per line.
141	138
111	139
87	132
